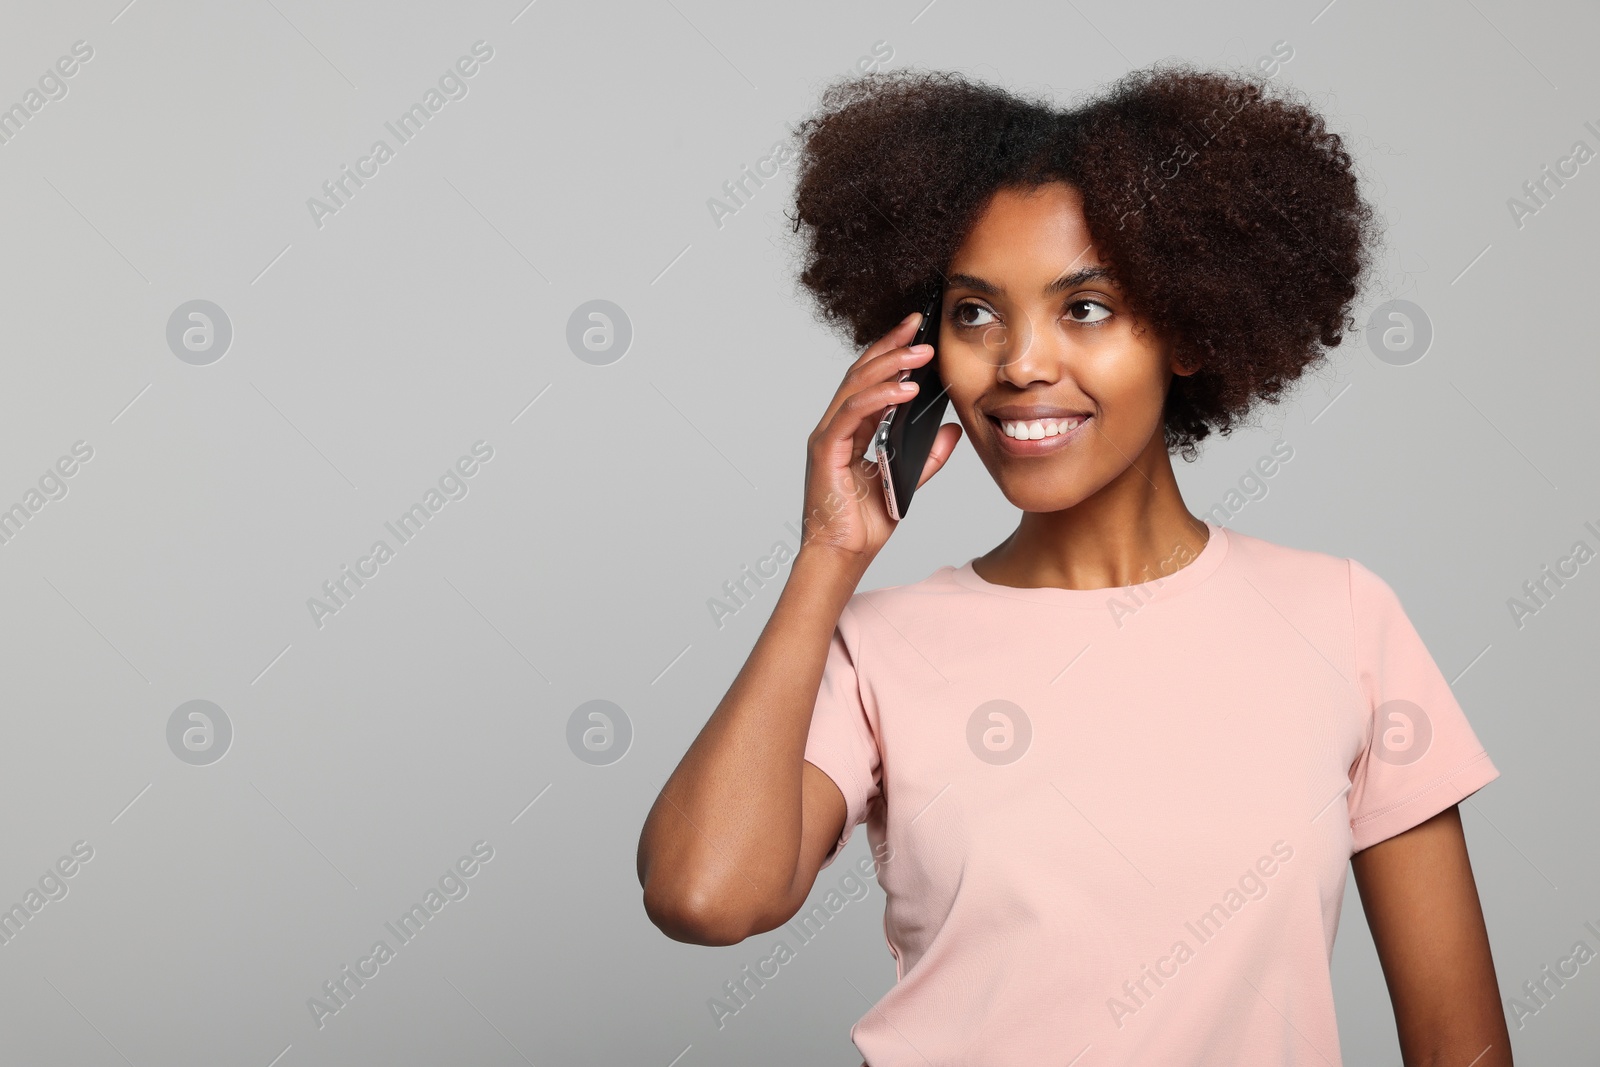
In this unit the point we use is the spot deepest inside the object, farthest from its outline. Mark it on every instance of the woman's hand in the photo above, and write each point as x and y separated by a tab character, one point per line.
844	506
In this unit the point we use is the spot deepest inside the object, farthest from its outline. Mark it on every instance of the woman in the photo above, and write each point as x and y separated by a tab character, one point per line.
1113	768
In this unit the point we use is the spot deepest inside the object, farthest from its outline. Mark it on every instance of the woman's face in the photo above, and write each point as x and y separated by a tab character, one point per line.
1035	333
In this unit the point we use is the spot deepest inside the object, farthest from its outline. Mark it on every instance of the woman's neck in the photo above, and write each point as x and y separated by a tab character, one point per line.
1133	530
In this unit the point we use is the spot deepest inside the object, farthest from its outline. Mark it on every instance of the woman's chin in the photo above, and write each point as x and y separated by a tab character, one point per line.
1033	494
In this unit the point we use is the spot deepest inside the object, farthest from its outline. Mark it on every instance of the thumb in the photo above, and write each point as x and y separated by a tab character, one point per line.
943	445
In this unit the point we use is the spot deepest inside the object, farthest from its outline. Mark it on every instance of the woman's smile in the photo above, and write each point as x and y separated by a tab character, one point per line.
1037	437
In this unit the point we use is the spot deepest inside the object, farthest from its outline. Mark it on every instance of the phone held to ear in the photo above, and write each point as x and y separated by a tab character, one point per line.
906	434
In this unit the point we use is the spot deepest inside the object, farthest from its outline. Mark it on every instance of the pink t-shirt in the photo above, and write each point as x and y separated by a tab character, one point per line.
1113	824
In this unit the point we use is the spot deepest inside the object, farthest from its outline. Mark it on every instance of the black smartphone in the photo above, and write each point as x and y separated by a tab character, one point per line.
905	435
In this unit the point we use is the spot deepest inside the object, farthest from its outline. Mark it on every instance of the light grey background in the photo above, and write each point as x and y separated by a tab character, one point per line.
431	312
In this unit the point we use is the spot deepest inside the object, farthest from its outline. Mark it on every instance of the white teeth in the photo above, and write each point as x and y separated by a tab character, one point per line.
1038	428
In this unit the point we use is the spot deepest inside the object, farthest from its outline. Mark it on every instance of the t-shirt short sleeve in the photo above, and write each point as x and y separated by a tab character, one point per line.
1422	755
841	742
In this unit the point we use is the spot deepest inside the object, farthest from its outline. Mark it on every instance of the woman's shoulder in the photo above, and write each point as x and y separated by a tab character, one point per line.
1288	569
925	592
930	583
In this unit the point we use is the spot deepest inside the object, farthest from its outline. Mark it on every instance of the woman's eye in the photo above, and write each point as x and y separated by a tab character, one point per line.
958	314
1080	311
1092	306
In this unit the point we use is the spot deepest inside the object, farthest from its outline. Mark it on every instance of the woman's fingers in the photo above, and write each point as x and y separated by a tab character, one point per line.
856	419
868	367
900	335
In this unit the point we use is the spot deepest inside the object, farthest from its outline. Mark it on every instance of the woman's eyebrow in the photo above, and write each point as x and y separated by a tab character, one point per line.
1061	284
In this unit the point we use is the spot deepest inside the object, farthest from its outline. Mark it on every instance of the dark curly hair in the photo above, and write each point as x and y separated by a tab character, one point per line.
1227	212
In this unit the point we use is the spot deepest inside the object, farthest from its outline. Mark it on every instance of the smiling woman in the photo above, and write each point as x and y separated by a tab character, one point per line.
1062	788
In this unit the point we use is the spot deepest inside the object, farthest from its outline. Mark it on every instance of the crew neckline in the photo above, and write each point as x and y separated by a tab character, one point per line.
1191	574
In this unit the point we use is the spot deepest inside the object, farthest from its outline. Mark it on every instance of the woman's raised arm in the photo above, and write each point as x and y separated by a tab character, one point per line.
734	841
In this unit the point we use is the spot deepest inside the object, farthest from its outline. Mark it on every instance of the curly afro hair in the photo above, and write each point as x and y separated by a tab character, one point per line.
1227	212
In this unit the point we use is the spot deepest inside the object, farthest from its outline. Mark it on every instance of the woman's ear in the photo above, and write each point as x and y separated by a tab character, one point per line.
1181	365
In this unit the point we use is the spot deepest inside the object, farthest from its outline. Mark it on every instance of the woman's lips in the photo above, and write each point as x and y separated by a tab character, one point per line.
1016	446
